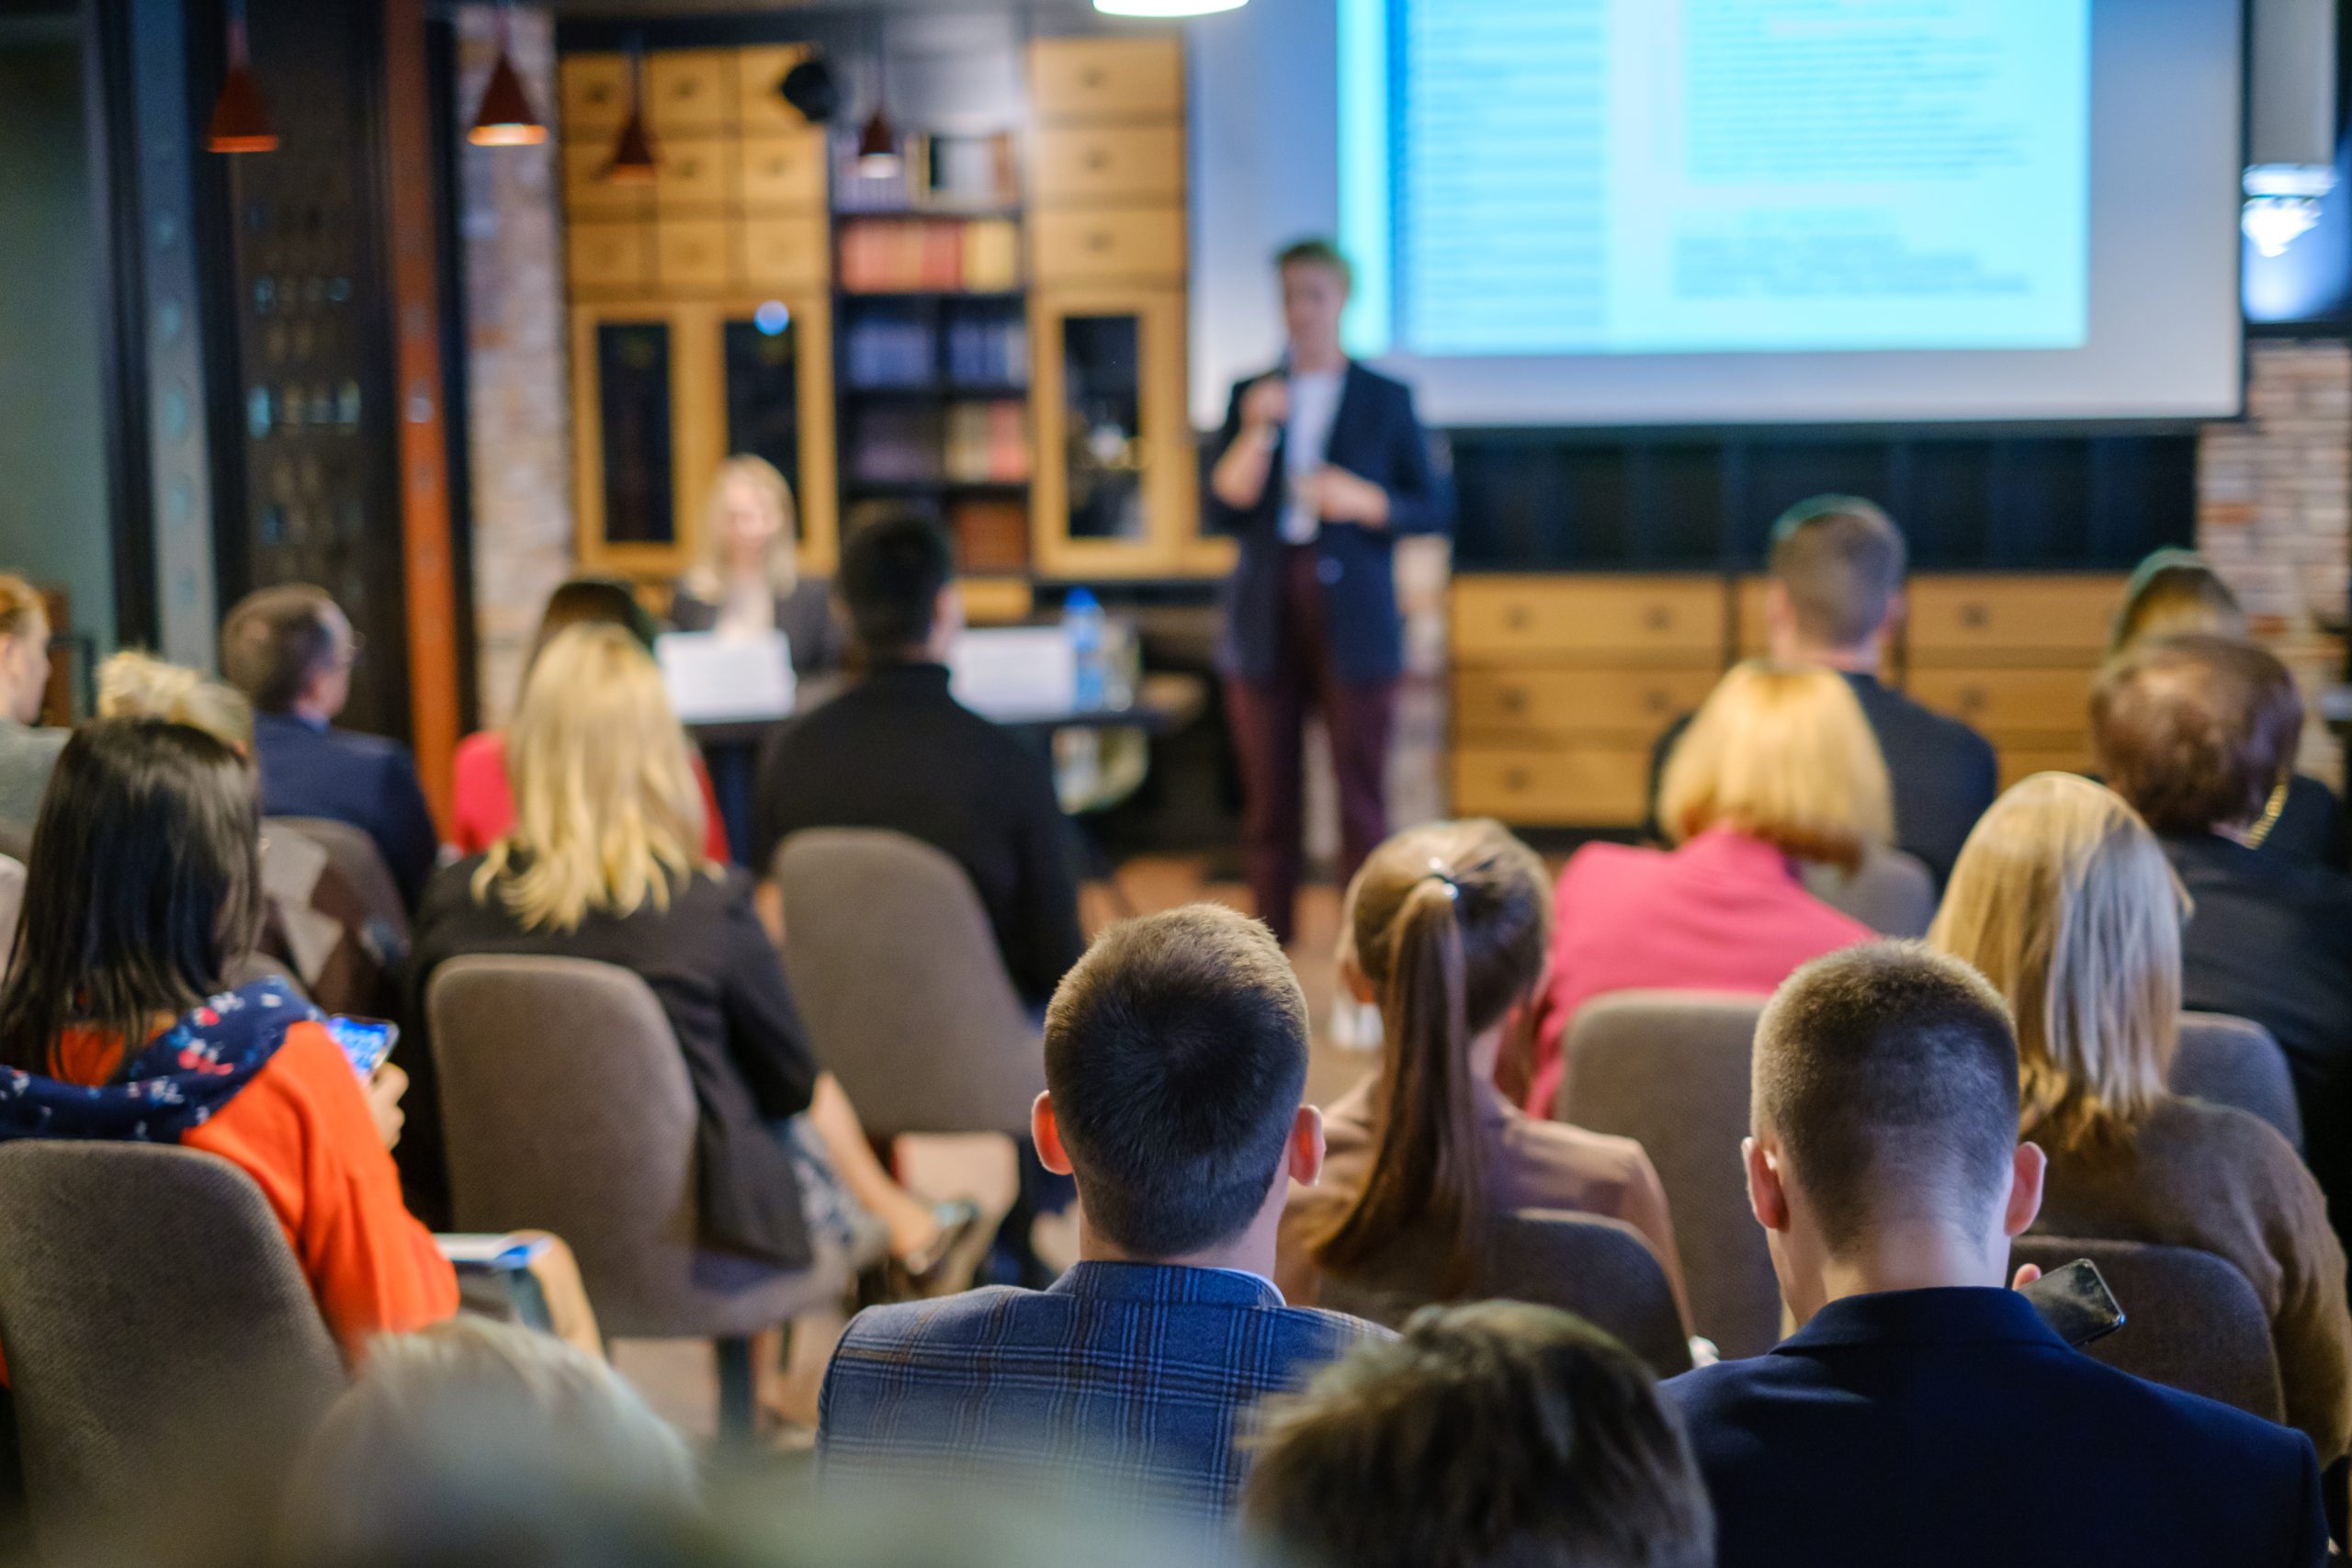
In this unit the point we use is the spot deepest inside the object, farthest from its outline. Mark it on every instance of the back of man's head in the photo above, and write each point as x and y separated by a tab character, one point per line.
1176	1057
892	571
1840	560
275	641
1494	1436
1888	1074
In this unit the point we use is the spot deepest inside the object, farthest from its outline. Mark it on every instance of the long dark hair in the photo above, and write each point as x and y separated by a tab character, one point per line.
1450	923
144	882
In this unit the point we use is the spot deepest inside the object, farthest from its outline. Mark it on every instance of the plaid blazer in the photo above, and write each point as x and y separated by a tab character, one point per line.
1130	1380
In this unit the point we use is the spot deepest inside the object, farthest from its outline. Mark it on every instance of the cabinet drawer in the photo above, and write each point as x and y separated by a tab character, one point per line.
782	171
694	252
593	92
760	108
1599	620
2049	620
784	253
2052	700
588	194
609	256
1108	163
1593	784
1629	703
2021	760
690	91
692	176
1099	78
1074	246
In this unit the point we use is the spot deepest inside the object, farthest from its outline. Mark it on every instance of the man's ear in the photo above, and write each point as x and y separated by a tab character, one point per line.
1767	1198
2026	1168
1046	1134
1898	609
1306	1145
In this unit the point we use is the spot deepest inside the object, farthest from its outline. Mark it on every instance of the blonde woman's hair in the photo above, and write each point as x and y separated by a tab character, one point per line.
607	809
2064	900
20	601
1784	754
140	686
707	580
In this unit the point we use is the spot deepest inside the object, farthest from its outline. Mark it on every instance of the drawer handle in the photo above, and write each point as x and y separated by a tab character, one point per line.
1656	701
1976	617
1658	617
1513	700
1517	778
1974	699
1093	76
1097	158
1518	618
1098	239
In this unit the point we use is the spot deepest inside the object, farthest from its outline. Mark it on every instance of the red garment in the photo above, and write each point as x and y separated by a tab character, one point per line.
1724	912
482	802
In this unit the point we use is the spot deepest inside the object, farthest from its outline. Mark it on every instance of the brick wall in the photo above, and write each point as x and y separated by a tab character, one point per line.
518	390
2274	509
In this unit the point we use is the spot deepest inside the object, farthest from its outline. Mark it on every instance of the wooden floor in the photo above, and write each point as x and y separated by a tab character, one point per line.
676	1376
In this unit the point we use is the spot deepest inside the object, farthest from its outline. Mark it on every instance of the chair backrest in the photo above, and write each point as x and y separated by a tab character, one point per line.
2190	1320
151	1311
1599	1269
1670	1070
896	970
361	864
12	904
2234	1061
1893	892
566	1106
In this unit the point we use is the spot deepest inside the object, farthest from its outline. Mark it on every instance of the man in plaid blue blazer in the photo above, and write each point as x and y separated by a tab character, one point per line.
1175	1060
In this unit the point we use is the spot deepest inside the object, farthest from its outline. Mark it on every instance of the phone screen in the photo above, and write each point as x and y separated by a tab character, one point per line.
366	1042
2076	1302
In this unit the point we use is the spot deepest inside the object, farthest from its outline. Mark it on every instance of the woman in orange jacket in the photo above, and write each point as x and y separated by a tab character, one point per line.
115	1022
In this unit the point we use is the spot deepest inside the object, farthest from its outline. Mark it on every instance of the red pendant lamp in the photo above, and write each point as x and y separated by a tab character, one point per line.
877	144
240	121
633	161
506	118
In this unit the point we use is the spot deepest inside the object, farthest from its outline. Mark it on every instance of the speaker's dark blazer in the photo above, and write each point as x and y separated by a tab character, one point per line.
1376	436
1952	1426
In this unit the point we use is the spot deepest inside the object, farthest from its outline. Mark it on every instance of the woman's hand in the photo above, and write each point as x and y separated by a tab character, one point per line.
384	1091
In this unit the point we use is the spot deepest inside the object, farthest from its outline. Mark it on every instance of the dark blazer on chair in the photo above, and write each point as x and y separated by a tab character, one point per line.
1376	436
313	770
1944	774
1138	1375
1952	1426
708	962
805	617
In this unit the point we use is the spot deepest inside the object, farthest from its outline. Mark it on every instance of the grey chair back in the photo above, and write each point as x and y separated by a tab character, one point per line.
152	1312
1670	1070
1893	892
355	854
12	906
2234	1061
566	1106
896	972
2190	1320
1599	1269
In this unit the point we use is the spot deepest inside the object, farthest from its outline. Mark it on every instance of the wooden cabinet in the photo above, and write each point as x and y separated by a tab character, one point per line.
609	257
1107	78
782	171
694	175
1092	164
1088	245
2015	655
690	91
592	90
1116	489
760	108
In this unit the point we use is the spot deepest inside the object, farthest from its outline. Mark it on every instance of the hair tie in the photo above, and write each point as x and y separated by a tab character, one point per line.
1453	888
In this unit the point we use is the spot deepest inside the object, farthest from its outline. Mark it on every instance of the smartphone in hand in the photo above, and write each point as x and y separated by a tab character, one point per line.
366	1042
2076	1302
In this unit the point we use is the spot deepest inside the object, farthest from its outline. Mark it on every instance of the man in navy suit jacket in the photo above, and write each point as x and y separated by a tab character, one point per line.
1923	1414
291	649
1175	1060
1320	466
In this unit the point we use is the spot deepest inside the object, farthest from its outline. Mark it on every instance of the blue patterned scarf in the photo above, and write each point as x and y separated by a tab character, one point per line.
176	1083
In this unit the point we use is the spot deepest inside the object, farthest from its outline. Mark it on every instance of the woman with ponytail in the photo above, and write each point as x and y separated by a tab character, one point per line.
1446	929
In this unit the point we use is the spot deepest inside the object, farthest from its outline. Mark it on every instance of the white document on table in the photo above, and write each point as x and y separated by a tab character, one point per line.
716	680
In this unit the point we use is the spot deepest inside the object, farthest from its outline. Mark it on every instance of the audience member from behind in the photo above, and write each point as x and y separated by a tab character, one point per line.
2064	900
897	752
1175	1058
747	582
601	865
1493	1436
1446	927
292	650
143	885
1778	768
27	754
1922	1414
2176	593
472	1430
1834	599
482	803
2196	732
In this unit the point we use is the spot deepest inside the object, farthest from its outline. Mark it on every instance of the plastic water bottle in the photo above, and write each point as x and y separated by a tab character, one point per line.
1082	623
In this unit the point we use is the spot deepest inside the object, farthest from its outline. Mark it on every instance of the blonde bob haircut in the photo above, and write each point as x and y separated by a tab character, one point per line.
607	809
707	579
1784	755
2064	900
138	685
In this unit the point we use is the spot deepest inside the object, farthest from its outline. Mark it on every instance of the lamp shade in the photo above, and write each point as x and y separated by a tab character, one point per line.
633	161
506	118
877	147
240	121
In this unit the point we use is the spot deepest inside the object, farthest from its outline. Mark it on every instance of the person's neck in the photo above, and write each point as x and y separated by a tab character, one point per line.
1862	659
311	712
1911	1258
1251	1252
2238	833
1314	359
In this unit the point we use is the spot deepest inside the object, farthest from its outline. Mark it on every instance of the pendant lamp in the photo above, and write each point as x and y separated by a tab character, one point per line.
506	118
633	161
240	121
877	143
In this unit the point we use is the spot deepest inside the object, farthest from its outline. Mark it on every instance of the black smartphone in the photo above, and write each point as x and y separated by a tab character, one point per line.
2076	1302
364	1041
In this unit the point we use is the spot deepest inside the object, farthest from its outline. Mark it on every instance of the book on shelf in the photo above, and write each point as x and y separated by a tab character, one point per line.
987	442
991	533
893	255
